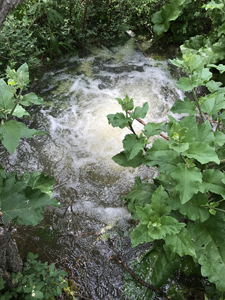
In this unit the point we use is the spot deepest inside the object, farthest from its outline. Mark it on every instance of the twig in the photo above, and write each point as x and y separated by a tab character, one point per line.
149	30
59	185
162	135
71	207
151	287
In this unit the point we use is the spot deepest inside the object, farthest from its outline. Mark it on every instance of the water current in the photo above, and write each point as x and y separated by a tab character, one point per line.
79	92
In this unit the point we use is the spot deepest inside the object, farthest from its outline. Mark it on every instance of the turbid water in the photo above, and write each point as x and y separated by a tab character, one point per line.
79	92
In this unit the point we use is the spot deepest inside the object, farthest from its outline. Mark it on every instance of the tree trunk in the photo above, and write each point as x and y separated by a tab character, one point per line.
6	6
10	260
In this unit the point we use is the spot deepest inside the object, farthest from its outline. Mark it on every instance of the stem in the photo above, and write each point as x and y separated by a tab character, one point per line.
15	105
183	159
218	125
132	129
213	163
196	101
219	209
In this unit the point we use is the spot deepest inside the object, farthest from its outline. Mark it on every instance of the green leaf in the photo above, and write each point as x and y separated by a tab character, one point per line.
10	132
127	104
6	101
188	180
37	294
187	84
202	152
185	106
20	111
213	86
52	267
205	133
178	147
209	245
212	5
183	131
133	145
30	99
194	209
140	112
122	160
181	243
140	195
220	67
160	154
140	235
213	103
219	138
159	228
159	202
119	120
26	132
151	129
41	181
6	87
21	203
213	182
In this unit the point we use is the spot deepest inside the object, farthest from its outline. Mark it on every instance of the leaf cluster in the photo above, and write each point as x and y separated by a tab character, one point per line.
38	281
184	207
12	103
22	199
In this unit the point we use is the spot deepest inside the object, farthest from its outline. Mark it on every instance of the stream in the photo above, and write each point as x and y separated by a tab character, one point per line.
93	223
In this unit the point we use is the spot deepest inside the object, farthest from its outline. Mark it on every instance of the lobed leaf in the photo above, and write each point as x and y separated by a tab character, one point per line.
185	106
118	120
202	152
209	246
133	145
188	181
140	112
122	160
213	182
151	129
161	155
181	243
21	203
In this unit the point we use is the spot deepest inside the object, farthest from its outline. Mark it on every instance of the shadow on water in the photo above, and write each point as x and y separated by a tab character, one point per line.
78	94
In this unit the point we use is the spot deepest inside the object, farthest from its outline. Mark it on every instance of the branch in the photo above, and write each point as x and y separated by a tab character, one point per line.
151	287
162	135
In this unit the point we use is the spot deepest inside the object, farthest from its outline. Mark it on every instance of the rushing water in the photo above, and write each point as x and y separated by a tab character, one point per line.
79	93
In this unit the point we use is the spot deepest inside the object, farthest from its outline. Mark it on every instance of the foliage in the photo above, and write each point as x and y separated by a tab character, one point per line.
205	37
12	104
21	199
38	281
39	31
182	212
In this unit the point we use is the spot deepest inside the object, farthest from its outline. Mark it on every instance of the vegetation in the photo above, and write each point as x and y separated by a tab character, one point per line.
38	281
23	198
182	212
39	31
